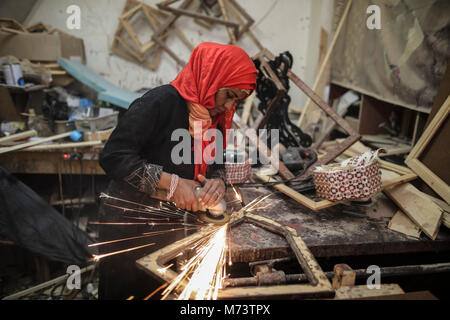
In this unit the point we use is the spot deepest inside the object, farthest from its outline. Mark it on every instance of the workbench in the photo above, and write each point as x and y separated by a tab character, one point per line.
333	232
328	233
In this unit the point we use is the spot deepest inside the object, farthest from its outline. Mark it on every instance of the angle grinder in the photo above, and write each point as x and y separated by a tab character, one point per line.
216	214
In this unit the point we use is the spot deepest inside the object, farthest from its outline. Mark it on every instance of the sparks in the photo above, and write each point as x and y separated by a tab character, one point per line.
96	257
206	270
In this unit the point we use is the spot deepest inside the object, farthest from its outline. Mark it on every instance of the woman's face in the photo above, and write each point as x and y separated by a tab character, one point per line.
225	99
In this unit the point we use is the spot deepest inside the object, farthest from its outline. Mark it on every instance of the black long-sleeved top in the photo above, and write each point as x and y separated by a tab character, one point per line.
140	147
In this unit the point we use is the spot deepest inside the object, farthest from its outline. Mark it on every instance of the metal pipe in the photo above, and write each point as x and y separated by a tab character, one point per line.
360	273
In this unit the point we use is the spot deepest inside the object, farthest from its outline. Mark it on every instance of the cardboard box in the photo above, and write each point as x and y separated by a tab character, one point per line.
41	46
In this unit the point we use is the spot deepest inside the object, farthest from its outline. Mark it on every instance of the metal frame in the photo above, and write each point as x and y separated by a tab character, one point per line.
319	285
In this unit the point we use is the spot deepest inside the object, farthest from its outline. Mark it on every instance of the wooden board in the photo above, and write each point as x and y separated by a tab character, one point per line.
416	205
358	292
401	223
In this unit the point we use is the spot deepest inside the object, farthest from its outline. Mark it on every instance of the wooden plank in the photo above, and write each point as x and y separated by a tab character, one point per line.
302	199
242	23
357	292
57	146
183	38
416	205
131	32
325	61
18	136
230	30
401	223
33	143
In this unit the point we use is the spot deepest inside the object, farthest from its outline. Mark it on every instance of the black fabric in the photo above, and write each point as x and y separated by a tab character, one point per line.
28	221
142	136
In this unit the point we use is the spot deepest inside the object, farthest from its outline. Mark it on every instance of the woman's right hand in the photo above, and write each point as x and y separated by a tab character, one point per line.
184	195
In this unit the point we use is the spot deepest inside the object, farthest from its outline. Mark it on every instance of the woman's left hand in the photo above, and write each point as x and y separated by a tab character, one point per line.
213	191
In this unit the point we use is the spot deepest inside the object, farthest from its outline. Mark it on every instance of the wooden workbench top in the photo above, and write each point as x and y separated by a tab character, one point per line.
331	232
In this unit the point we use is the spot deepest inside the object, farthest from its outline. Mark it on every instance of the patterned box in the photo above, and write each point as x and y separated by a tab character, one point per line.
238	172
355	178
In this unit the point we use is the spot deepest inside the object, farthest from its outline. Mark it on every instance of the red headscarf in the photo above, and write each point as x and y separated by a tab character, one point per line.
211	67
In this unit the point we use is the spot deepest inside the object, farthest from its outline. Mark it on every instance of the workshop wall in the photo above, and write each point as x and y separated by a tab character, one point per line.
280	25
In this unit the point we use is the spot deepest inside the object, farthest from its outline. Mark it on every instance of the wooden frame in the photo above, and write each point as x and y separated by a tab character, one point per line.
128	52
319	285
182	11
406	175
144	50
236	10
413	161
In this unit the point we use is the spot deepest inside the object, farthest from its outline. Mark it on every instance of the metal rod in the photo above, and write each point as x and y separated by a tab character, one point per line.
360	273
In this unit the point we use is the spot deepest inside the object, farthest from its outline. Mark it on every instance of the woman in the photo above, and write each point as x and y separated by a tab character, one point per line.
138	155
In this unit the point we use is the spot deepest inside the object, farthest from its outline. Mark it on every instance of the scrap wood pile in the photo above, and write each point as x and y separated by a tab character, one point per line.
143	31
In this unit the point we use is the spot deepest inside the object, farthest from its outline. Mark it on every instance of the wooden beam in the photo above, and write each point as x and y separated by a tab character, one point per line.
18	136
243	25
58	146
325	61
33	143
230	30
